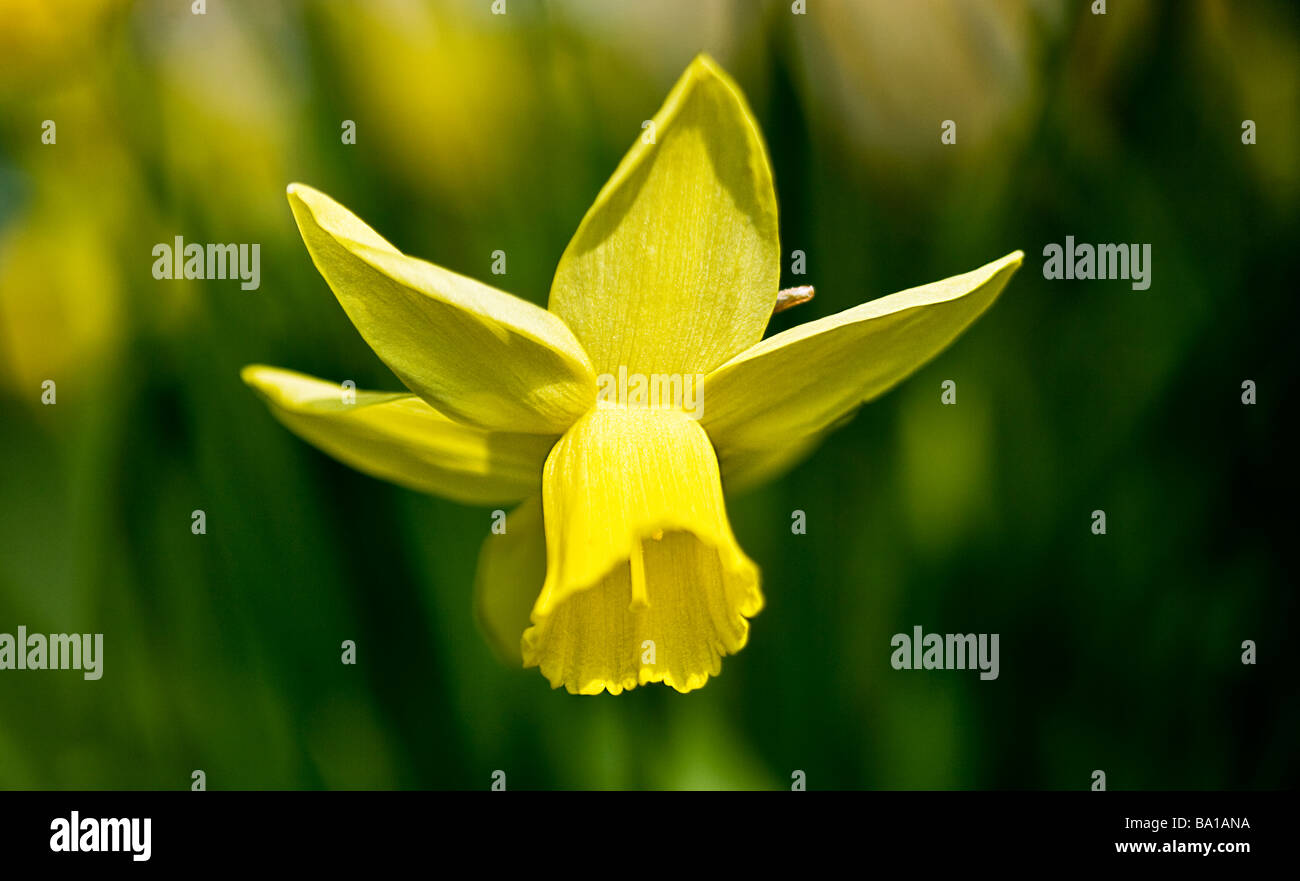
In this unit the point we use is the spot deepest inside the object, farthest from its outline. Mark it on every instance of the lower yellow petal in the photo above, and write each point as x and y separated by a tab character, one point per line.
399	438
744	469
645	581
511	568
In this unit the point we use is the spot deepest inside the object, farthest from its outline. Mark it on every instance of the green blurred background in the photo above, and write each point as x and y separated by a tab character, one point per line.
478	132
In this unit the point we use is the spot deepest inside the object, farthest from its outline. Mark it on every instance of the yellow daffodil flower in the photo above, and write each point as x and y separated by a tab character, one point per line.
619	567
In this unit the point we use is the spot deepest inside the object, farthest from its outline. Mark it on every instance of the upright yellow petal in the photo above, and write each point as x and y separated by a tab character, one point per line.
400	438
644	579
788	388
675	268
475	353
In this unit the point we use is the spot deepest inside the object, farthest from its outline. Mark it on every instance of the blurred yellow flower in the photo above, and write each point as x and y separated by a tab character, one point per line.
39	38
888	74
397	61
60	303
619	568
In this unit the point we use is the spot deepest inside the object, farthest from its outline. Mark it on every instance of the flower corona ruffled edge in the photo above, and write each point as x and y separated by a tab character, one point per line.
645	581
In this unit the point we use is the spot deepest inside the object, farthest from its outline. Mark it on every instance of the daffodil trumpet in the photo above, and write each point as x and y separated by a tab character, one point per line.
618	566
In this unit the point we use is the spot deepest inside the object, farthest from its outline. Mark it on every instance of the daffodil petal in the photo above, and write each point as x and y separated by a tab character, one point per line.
511	568
644	579
676	266
742	468
475	353
399	438
796	384
698	612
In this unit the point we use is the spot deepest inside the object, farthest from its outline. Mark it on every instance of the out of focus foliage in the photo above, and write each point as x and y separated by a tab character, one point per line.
478	132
